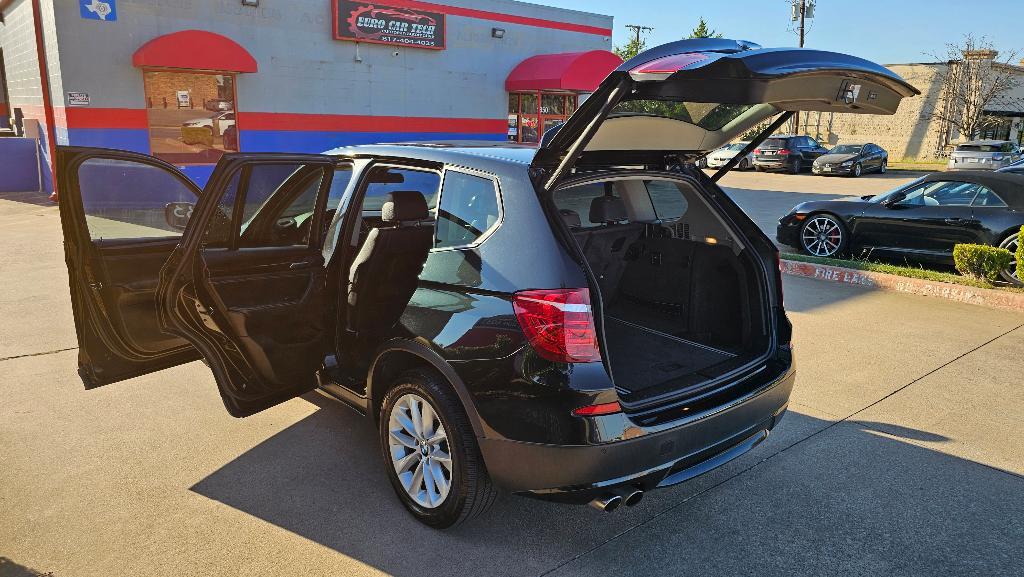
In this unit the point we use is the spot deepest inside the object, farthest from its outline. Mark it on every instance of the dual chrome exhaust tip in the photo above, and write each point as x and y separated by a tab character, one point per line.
609	502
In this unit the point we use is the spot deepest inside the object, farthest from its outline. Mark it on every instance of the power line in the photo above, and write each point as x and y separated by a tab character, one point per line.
637	30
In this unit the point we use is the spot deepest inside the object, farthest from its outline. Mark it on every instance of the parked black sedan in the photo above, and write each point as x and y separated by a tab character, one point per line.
852	160
921	220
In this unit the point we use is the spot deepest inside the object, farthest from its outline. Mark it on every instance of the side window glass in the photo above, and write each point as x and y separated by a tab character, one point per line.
267	205
669	202
383	180
468	209
127	199
986	197
948	194
916	196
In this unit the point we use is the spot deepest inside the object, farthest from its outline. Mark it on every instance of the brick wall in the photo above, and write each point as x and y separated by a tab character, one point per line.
908	134
163	87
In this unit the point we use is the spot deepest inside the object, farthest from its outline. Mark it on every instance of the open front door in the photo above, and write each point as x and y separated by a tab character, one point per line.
122	215
682	99
246	286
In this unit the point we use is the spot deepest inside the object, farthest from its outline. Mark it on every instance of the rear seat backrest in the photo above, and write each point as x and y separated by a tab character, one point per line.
606	247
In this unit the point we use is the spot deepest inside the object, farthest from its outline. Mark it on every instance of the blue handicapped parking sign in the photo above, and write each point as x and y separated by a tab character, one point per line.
98	9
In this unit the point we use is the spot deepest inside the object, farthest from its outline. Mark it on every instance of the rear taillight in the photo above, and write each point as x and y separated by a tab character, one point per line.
662	68
559	324
597	410
757	151
778	276
783	151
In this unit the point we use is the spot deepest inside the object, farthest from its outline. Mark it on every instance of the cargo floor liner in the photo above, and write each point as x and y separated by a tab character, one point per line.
642	358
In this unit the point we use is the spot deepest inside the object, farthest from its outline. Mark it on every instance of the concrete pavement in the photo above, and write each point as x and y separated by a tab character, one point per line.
901	454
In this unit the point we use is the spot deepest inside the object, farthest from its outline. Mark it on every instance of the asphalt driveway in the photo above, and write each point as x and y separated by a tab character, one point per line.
901	455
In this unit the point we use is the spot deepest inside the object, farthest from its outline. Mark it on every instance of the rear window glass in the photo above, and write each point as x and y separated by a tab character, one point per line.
707	115
774	143
979	148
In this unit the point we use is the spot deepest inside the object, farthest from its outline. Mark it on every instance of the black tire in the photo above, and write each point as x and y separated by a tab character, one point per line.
1010	275
743	165
826	246
796	167
857	170
471	490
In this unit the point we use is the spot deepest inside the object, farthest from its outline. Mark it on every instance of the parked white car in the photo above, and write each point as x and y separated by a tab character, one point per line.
983	155
217	124
718	158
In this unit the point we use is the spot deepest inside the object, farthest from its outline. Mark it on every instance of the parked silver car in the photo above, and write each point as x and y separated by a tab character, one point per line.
983	155
719	158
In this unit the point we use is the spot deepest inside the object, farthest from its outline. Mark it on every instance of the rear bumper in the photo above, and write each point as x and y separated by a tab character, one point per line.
648	458
778	163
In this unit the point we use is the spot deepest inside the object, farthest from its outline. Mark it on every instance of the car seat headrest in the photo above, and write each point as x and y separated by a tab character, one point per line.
404	205
571	218
604	209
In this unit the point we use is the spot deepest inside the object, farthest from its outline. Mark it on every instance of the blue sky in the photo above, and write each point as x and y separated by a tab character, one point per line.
888	32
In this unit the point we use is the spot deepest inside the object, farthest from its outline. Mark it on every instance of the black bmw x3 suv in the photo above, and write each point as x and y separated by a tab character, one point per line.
580	322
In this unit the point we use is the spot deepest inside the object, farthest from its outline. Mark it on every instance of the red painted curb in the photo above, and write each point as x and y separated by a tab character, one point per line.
877	280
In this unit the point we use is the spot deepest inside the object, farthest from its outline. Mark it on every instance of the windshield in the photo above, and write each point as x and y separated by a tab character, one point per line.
736	147
846	149
707	115
885	195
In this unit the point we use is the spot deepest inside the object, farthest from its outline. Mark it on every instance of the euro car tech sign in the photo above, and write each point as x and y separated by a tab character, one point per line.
359	21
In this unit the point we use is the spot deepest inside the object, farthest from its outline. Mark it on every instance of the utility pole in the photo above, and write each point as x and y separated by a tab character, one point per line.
637	30
802	11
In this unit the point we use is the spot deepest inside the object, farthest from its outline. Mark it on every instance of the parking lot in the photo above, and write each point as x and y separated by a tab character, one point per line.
901	454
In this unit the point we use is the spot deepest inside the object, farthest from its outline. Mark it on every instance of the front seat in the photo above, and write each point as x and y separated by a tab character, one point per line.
384	274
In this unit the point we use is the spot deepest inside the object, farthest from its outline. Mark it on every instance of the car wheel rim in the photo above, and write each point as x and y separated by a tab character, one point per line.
822	236
1010	273
856	170
419	451
883	168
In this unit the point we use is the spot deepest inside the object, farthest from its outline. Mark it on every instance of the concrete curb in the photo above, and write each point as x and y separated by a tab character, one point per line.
965	294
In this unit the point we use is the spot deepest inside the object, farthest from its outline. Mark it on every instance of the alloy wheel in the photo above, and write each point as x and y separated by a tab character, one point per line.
419	451
1009	274
883	168
822	236
857	169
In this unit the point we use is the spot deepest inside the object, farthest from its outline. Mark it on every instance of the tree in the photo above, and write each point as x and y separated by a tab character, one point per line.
702	31
630	49
972	81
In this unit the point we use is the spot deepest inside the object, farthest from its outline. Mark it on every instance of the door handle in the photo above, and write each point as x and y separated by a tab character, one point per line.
299	265
954	221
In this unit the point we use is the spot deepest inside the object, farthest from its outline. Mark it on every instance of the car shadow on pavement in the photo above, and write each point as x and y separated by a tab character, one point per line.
9	568
871	500
36	198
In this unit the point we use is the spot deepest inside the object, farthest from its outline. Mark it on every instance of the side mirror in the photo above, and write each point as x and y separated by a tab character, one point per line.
894	199
867	197
177	214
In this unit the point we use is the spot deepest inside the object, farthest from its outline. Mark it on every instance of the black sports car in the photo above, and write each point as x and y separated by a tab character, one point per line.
852	160
921	220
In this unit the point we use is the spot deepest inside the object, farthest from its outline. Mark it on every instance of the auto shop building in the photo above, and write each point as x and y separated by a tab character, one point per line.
187	80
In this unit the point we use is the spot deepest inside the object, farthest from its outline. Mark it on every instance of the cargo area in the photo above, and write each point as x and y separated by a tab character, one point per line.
681	299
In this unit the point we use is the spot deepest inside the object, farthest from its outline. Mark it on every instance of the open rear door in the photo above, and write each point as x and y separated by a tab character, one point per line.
682	99
246	286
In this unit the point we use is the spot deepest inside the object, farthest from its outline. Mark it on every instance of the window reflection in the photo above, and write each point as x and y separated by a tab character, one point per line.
191	116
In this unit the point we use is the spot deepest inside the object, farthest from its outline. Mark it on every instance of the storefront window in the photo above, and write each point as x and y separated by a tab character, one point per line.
191	116
531	114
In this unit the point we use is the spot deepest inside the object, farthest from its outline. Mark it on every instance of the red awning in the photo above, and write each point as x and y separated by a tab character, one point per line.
578	71
194	50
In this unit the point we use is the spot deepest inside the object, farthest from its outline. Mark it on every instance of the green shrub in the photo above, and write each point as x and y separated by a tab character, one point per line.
981	261
1020	254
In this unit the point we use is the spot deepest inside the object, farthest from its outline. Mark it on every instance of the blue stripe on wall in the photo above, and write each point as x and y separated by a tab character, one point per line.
133	139
137	140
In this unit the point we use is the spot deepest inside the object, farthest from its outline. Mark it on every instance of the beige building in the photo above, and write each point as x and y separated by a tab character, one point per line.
911	133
